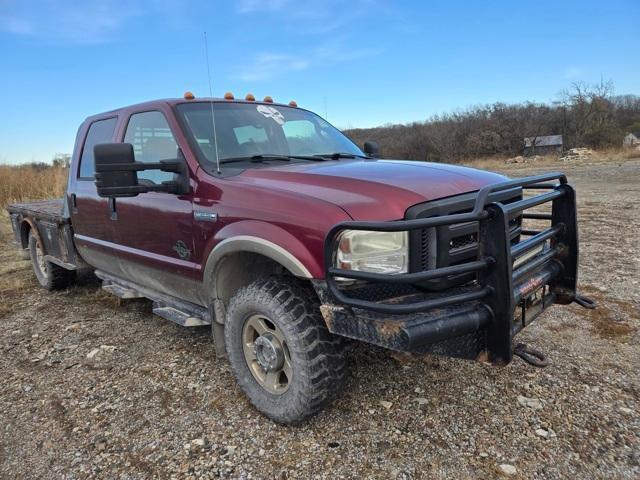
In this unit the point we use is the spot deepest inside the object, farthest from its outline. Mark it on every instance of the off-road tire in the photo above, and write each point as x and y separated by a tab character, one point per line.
317	356
50	275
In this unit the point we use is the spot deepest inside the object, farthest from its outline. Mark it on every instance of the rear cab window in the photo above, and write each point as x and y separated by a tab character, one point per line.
152	141
100	131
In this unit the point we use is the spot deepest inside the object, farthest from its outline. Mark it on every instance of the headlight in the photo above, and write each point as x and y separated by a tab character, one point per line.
377	252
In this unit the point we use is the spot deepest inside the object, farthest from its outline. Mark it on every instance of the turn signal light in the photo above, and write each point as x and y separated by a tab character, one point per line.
228	96
250	97
268	99
189	96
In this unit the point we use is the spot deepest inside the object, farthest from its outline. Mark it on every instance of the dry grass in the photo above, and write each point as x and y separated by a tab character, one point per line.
20	183
499	163
616	154
15	273
605	155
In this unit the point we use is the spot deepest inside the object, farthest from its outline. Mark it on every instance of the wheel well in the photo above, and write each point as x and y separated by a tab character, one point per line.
239	269
25	228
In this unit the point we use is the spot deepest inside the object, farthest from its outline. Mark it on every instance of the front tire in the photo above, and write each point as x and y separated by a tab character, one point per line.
284	358
49	275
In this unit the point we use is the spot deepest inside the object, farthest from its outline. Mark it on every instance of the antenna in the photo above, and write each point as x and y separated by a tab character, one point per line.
213	116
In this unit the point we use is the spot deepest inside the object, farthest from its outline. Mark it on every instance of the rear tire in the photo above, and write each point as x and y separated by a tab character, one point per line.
278	320
49	275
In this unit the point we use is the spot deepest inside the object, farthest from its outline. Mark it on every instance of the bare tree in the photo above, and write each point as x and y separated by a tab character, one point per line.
591	111
61	160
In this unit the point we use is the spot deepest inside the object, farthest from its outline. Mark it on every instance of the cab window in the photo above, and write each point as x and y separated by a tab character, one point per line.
152	141
302	136
100	131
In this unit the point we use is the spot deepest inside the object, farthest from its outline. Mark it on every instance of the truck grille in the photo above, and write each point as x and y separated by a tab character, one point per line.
451	244
427	240
463	241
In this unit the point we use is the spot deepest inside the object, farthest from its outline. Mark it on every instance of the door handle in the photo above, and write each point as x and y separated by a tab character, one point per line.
113	213
74	203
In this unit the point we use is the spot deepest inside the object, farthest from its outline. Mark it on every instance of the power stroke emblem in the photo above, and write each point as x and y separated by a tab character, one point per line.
202	216
181	249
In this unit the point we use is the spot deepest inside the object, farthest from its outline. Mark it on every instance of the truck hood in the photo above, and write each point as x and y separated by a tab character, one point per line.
375	190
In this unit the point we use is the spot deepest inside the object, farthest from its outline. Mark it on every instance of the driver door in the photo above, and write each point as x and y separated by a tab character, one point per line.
154	230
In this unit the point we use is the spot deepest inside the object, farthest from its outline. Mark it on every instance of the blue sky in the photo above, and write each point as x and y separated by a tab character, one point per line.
374	61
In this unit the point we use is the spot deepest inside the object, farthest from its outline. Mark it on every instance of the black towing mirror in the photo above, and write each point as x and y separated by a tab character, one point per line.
371	149
116	172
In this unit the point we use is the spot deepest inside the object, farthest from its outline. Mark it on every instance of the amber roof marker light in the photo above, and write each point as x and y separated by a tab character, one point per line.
228	96
250	97
188	95
267	99
293	103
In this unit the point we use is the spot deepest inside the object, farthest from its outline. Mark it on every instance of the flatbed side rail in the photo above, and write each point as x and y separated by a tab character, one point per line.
545	261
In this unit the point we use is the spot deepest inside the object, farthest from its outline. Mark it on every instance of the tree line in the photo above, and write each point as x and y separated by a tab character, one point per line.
586	115
59	160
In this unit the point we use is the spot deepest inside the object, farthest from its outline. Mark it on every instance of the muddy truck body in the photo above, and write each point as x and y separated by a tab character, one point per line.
267	224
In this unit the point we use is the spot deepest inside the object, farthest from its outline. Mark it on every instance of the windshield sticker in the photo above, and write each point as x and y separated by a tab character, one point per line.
272	113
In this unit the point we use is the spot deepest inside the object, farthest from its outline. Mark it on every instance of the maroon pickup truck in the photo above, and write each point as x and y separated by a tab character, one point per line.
266	223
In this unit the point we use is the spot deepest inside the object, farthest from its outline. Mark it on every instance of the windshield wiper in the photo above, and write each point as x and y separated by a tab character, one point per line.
255	158
270	156
313	158
337	155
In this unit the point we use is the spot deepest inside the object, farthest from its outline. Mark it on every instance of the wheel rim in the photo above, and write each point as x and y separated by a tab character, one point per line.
267	354
40	261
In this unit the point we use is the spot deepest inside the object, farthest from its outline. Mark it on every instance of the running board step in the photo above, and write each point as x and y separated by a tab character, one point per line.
179	311
121	291
181	318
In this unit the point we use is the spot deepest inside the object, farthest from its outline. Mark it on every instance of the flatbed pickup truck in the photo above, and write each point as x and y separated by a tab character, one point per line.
267	224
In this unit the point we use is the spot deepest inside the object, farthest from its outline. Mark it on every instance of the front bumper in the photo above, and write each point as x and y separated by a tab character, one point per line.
514	282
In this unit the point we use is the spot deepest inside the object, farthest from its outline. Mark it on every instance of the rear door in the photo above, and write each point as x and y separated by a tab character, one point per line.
154	230
93	229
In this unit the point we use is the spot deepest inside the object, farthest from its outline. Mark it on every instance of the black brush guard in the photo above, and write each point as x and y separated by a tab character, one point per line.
478	320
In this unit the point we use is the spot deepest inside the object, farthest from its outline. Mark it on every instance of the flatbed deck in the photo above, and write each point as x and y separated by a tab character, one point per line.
52	210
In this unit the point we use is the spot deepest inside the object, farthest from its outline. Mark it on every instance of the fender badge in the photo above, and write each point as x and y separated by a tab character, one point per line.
181	249
202	216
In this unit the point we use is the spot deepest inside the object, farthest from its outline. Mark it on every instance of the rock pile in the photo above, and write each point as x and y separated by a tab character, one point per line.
576	154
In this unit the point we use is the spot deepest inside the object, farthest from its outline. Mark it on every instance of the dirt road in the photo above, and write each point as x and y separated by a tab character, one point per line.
154	402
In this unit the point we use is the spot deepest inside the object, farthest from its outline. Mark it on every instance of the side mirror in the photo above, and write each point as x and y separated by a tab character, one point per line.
116	172
113	177
371	149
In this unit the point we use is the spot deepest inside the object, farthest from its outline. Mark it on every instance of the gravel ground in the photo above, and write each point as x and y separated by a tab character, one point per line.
154	402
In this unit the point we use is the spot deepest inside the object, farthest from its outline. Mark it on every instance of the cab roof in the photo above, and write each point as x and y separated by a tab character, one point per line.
179	100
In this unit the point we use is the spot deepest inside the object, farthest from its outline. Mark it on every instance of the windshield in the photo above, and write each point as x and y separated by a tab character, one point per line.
246	131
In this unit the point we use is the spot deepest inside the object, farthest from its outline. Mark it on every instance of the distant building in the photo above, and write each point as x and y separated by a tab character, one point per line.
543	145
631	139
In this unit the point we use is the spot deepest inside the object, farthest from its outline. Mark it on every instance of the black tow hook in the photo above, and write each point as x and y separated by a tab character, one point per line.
585	302
531	355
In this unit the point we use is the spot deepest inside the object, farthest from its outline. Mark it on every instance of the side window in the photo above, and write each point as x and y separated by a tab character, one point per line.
251	139
250	134
99	132
299	129
302	136
152	141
